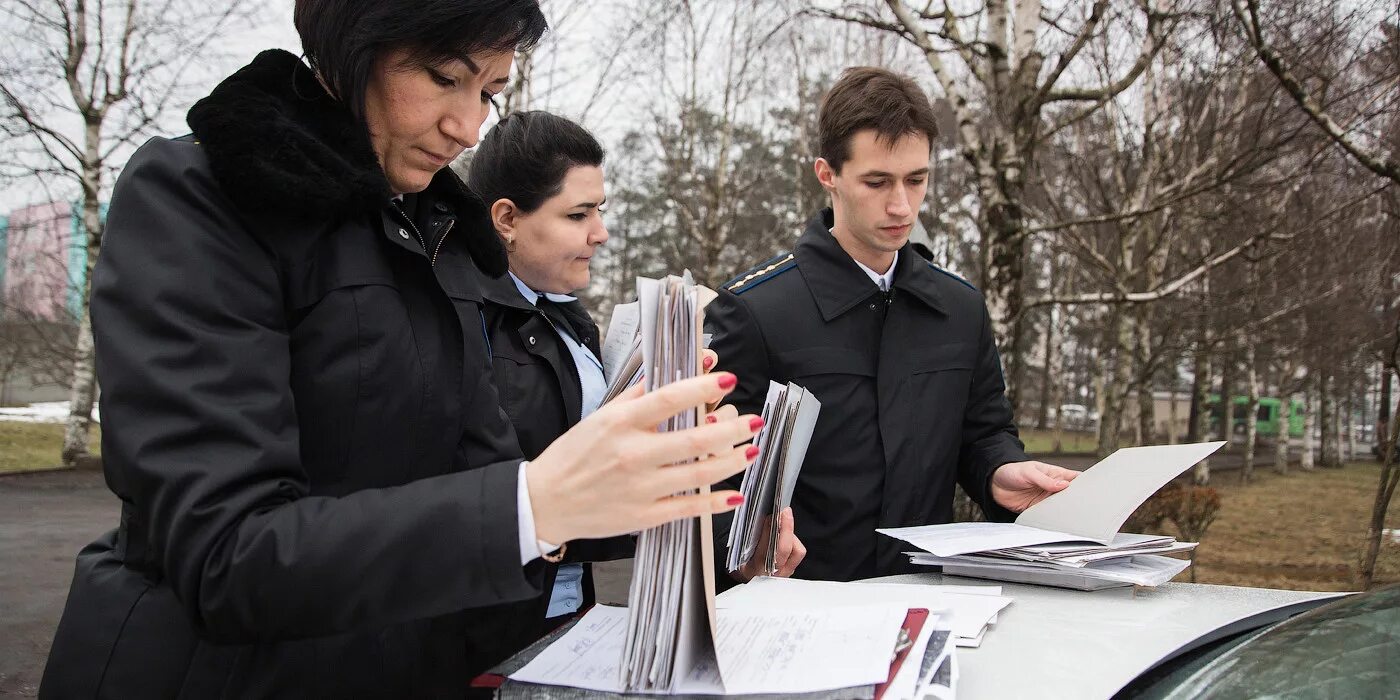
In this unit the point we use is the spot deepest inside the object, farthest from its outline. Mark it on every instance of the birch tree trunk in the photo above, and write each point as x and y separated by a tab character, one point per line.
1330	458
1200	389
1285	417
1115	393
1349	434
1306	461
1251	419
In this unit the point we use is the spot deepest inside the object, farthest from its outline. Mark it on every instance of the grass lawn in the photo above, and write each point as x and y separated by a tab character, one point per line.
1042	442
1302	531
31	446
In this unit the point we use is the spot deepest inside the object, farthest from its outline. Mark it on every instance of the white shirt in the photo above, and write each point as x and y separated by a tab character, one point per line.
590	369
882	281
567	595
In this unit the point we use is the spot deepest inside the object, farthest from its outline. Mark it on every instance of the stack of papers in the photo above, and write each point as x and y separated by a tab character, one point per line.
1071	538
789	415
670	628
622	346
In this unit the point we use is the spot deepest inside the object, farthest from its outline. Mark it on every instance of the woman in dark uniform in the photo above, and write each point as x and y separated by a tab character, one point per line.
320	494
541	176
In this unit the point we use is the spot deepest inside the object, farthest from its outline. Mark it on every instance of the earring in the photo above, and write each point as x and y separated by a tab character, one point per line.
510	243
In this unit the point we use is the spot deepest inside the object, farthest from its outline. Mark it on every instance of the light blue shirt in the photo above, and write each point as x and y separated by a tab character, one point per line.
567	595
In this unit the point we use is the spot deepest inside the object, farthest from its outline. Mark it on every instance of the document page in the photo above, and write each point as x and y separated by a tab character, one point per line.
621	339
802	651
952	539
1098	502
966	613
588	656
787	651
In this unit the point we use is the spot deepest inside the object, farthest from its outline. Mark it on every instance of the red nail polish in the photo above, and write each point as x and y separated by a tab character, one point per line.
751	452
735	500
756	423
711	419
708	362
727	381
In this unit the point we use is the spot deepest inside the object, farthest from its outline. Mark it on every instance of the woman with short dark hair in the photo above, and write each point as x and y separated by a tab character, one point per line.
541	178
320	494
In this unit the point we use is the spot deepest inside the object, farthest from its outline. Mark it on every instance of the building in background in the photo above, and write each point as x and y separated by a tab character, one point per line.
45	262
43	269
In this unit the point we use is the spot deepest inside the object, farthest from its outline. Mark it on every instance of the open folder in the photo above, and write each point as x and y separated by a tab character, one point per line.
789	415
1071	538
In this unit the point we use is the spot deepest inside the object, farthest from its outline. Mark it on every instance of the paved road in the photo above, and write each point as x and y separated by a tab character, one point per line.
45	519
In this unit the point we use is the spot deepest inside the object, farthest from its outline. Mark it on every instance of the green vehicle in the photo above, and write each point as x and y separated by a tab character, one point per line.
1269	409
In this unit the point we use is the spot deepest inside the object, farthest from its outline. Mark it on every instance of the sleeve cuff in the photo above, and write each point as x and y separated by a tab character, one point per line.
531	548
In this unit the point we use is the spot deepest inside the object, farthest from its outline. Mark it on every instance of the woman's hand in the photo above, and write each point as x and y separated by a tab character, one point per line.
613	473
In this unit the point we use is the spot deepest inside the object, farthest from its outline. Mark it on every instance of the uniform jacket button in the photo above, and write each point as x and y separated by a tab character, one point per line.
532	340
403	234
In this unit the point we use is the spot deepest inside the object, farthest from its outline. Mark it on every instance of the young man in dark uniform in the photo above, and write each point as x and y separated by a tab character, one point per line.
899	352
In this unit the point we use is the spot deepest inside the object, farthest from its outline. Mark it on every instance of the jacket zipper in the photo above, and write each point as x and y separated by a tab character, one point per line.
432	257
445	230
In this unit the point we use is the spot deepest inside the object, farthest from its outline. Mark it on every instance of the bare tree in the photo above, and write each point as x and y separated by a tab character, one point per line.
112	71
1383	97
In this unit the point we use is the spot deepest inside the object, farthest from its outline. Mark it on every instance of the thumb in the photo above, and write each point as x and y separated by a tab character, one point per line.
1045	482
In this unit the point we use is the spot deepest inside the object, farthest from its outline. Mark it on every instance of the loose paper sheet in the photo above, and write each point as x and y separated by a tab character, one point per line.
967	614
790	651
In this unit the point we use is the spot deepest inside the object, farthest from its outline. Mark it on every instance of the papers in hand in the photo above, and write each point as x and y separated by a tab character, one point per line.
670	626
622	346
1076	528
789	415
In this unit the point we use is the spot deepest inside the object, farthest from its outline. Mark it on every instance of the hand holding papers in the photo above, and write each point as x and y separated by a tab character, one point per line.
1090	510
789	415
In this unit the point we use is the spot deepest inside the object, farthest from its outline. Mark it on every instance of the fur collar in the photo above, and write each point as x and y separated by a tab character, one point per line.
278	143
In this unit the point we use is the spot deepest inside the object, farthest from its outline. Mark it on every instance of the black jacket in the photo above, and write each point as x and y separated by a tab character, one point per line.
540	389
318	485
910	386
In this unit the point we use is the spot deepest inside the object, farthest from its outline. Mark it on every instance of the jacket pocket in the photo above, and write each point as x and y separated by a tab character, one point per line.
949	356
807	362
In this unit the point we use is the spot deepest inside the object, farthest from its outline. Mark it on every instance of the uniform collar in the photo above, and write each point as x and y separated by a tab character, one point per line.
533	296
837	280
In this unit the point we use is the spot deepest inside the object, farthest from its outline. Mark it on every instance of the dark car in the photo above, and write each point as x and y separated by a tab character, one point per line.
1346	649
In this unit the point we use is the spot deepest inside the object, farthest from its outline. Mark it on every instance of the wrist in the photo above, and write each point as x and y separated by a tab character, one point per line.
548	529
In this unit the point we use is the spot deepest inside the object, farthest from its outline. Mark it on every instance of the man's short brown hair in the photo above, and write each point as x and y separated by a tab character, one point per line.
866	97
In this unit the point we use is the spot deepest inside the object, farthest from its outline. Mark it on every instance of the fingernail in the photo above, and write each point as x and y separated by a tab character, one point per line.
751	452
727	381
711	419
735	500
708	362
756	423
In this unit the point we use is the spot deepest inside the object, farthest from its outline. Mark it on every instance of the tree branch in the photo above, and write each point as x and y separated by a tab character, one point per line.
1247	12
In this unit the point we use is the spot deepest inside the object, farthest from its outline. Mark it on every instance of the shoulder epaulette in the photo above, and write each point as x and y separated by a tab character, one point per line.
763	272
960	280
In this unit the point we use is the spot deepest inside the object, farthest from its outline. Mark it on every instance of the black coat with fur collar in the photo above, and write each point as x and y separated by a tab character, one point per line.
318	485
